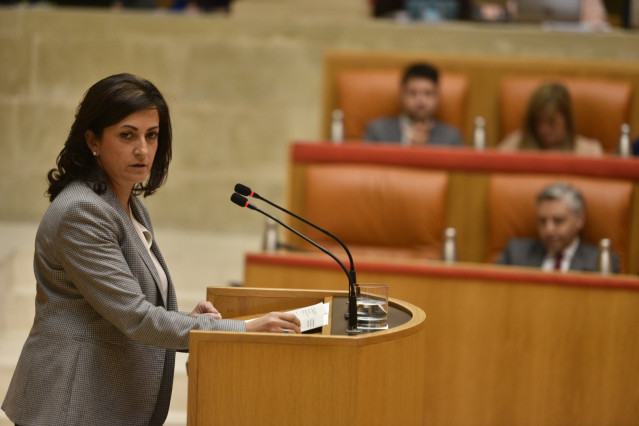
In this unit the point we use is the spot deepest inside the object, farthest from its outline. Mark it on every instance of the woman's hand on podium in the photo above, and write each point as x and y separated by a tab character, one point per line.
275	322
204	307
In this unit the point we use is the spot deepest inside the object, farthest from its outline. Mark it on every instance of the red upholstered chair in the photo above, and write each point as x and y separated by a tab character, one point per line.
365	95
600	106
374	209
511	210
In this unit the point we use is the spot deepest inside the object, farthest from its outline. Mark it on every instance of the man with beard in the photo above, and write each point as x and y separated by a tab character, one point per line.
416	125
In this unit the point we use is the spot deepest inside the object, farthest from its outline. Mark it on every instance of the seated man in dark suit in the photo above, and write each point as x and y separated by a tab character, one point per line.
560	218
416	125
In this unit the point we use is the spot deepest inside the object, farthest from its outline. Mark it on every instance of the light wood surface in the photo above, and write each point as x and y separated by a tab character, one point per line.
505	346
310	379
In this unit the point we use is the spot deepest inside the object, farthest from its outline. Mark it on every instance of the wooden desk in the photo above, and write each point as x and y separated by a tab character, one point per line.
505	346
305	379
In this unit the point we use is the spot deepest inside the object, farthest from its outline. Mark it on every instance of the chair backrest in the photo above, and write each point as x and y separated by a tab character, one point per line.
600	106
365	95
374	209
511	210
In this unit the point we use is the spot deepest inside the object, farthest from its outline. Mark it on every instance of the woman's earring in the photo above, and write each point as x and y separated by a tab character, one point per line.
95	154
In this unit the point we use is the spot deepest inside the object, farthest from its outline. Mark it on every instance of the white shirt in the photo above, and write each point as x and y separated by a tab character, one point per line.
569	252
405	126
147	240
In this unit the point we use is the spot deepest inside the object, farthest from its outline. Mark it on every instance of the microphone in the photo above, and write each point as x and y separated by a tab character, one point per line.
248	192
242	201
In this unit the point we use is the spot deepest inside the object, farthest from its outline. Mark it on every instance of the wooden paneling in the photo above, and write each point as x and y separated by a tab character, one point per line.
246	379
504	346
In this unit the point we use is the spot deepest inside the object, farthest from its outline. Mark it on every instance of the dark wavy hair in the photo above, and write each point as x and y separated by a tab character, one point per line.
106	103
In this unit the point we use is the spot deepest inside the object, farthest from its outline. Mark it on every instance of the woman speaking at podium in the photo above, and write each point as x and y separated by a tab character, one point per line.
102	346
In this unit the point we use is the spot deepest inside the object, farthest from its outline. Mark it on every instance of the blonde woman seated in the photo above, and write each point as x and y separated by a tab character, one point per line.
549	125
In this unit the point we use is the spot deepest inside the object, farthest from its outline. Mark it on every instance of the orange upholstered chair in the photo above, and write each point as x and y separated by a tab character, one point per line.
365	95
375	210
600	106
511	210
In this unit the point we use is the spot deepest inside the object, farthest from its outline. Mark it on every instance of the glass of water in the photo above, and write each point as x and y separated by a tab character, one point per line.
372	307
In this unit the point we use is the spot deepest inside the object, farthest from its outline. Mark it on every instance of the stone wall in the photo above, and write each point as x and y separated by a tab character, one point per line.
240	87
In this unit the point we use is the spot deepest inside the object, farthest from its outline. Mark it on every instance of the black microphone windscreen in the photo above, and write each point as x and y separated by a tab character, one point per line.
243	189
239	200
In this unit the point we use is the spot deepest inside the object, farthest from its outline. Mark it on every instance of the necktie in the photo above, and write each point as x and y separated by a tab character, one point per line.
558	258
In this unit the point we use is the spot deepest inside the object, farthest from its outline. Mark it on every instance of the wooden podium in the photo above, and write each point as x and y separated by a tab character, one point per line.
319	378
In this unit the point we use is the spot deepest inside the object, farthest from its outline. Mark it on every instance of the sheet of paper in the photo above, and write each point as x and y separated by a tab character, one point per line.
313	316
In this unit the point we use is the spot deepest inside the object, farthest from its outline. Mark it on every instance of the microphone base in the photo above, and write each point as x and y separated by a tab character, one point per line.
352	313
351	331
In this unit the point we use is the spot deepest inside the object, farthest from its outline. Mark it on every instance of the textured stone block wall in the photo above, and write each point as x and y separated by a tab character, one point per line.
240	88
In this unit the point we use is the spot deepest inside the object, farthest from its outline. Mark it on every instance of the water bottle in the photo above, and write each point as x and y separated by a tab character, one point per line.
624	141
337	126
270	240
449	249
479	133
604	263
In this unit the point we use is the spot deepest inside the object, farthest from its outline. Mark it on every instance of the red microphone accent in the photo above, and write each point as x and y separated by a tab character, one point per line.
252	193
247	204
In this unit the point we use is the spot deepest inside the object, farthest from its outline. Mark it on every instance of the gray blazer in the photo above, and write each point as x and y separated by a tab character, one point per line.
389	130
102	347
531	252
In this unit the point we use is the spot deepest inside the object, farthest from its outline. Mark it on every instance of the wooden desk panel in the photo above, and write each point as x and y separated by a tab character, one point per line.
505	346
304	379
